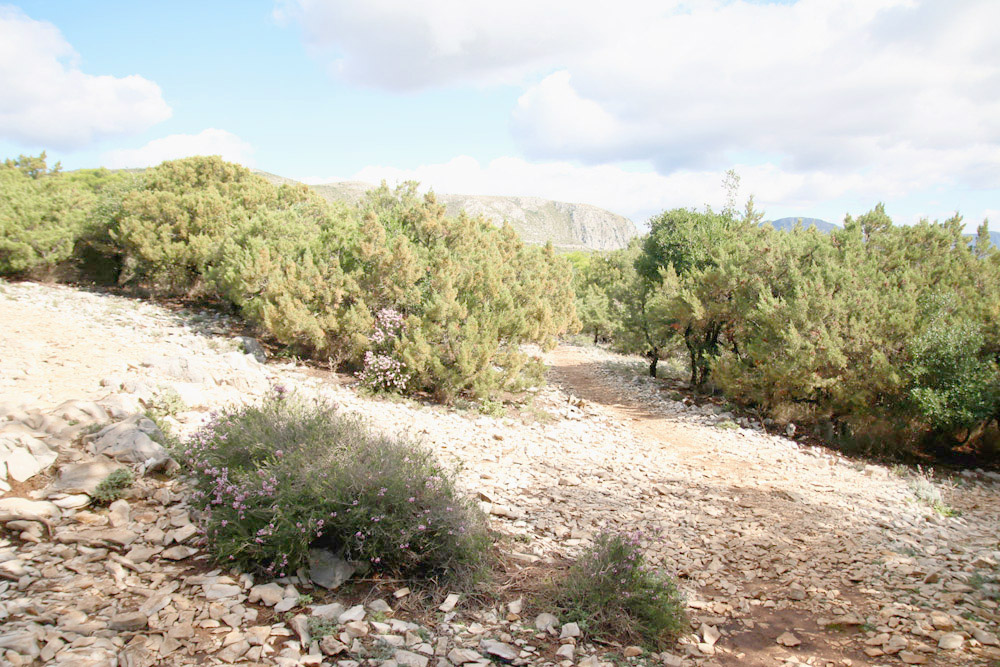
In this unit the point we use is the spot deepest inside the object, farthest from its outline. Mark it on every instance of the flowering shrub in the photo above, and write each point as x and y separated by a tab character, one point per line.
612	593
274	480
382	371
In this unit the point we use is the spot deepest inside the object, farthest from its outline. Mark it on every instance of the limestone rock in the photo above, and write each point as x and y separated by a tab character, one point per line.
130	441
546	622
911	658
327	569
84	477
22	509
499	650
569	630
460	656
788	639
409	659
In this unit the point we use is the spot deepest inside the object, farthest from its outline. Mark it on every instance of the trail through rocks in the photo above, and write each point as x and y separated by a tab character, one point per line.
787	554
797	551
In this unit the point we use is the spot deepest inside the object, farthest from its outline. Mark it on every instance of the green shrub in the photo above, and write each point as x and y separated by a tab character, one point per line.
169	231
276	479
113	486
613	594
42	215
953	385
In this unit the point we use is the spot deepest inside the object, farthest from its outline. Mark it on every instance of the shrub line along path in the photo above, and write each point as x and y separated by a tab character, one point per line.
796	539
790	552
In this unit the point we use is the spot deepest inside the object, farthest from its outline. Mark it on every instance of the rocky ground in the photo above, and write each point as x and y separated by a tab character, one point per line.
787	554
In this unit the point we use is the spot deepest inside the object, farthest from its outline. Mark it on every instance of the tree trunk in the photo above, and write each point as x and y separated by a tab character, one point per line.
654	358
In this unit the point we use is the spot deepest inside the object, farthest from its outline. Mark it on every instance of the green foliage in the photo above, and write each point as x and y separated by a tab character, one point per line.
166	402
277	479
113	487
612	594
42	215
470	294
952	384
322	627
310	274
170	230
887	334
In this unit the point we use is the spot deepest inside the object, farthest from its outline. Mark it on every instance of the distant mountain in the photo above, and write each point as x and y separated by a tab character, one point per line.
994	238
786	224
568	226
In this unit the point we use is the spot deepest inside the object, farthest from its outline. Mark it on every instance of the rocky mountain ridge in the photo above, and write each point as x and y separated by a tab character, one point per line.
568	226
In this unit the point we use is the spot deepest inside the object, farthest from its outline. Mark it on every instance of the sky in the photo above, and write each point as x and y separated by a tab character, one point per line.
823	107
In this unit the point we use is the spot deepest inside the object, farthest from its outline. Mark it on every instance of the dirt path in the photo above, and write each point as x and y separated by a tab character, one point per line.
800	542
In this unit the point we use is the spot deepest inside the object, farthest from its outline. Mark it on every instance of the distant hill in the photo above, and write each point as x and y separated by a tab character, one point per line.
789	223
786	224
568	226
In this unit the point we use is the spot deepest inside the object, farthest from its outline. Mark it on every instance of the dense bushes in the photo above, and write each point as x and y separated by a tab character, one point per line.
42	215
312	275
277	479
875	333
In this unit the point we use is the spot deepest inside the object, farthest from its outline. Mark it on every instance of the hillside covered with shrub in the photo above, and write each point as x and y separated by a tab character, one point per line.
881	337
393	288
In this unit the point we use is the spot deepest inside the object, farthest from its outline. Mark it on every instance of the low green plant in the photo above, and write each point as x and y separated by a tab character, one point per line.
113	486
277	479
382	650
727	425
322	627
927	492
492	407
305	599
166	402
612	592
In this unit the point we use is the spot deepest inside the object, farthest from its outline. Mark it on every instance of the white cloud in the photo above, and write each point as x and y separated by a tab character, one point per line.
207	142
47	101
413	44
903	93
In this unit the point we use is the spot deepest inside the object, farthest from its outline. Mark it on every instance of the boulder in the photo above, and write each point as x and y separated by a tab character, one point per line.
129	441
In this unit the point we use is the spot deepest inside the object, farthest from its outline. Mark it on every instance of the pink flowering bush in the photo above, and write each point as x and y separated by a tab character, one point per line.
382	370
612	593
276	479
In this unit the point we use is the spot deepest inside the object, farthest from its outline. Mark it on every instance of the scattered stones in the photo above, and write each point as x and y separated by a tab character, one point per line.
951	641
